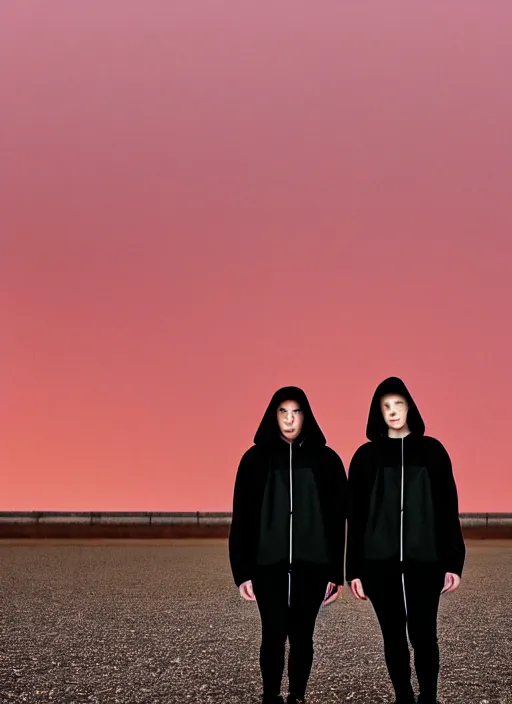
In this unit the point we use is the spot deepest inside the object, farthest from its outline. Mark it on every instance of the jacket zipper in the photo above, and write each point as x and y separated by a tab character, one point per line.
402	531
290	530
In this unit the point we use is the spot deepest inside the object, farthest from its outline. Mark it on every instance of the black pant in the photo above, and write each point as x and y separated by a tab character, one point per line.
295	622
423	584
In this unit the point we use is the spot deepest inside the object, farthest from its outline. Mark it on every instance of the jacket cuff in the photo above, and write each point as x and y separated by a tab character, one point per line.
240	578
453	568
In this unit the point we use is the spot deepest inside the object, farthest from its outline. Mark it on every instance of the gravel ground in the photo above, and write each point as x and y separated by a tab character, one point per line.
164	623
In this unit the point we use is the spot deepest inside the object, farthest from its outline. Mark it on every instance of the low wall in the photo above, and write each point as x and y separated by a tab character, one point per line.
194	524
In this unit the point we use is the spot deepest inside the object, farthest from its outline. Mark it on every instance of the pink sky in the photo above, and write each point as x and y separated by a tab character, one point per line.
202	201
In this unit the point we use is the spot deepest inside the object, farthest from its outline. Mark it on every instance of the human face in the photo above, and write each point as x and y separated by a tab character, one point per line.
394	411
290	419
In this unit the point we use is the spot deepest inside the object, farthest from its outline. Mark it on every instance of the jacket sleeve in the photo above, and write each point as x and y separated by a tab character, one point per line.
355	516
240	539
339	488
454	549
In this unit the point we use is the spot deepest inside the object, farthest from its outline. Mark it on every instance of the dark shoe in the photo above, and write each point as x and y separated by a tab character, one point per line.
294	700
266	699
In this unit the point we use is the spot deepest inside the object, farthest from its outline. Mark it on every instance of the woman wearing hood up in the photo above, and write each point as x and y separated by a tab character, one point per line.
404	543
287	536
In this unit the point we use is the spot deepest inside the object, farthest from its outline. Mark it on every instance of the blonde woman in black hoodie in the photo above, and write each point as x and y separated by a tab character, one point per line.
404	545
287	536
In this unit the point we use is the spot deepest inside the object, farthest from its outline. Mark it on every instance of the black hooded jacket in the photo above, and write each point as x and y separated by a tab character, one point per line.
260	528
431	525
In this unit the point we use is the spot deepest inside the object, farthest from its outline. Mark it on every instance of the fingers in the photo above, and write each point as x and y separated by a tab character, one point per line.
329	589
455	583
357	589
247	592
451	583
334	595
448	581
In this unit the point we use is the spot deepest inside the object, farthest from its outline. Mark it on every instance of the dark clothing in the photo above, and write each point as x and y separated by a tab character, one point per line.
403	520
278	622
310	543
288	537
266	516
382	535
423	584
431	525
431	528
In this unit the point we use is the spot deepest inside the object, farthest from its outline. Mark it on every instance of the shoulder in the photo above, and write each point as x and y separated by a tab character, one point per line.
254	454
251	457
250	462
331	455
434	445
362	461
437	452
251	452
363	452
332	461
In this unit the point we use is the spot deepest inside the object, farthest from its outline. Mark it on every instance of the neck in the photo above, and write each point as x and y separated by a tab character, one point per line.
397	434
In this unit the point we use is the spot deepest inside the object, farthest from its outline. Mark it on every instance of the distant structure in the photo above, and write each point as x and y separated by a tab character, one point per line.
20	525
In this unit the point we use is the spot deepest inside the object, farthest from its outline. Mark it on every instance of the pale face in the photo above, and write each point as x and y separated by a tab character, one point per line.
290	419
394	411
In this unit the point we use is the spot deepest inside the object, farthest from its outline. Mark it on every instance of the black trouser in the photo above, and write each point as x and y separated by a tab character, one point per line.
423	584
295	622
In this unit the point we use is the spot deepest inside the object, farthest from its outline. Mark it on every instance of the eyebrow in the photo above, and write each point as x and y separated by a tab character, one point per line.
282	408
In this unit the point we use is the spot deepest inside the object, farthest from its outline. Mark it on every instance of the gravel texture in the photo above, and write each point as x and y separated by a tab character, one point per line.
140	622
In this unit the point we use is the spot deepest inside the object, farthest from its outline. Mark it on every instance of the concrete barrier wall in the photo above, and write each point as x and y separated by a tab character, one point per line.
68	524
184	517
116	517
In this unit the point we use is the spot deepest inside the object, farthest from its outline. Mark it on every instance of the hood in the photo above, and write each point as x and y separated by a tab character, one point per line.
376	427
268	431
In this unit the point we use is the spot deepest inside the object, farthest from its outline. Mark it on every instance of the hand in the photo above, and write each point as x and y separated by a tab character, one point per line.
246	591
357	589
333	594
451	582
